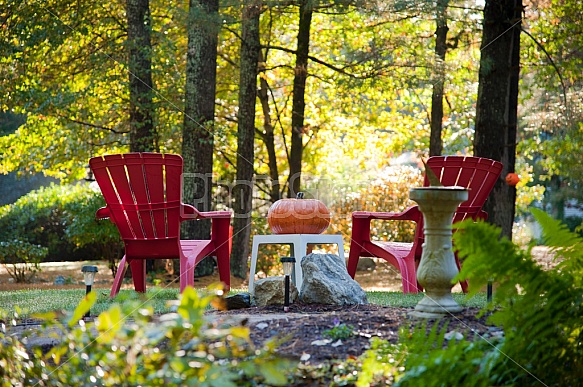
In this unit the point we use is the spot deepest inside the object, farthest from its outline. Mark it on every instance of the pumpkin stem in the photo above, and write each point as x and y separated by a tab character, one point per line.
300	195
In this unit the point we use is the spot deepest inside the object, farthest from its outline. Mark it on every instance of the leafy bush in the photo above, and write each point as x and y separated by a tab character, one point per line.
15	362
98	237
21	259
128	345
62	219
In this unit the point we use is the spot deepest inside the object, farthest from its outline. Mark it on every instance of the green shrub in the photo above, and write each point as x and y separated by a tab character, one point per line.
100	238
431	360
15	363
128	345
62	219
21	259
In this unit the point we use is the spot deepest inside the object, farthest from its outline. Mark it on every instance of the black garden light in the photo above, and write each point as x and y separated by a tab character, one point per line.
288	266
89	277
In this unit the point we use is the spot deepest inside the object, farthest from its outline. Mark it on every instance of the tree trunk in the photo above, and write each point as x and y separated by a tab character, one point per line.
496	112
299	103
243	190
435	141
268	135
142	133
199	114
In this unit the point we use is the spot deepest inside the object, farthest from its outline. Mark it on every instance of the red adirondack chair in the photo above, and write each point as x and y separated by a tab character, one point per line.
477	174
143	193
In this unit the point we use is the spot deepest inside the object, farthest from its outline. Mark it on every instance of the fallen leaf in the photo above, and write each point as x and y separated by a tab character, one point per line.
321	342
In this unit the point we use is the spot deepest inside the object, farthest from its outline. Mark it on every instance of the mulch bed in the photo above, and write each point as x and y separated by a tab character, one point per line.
303	333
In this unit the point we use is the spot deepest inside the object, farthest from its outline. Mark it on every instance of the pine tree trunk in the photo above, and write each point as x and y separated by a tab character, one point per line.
142	134
299	103
243	190
199	114
496	112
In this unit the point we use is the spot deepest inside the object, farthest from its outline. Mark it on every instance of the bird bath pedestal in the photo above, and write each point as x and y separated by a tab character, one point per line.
437	267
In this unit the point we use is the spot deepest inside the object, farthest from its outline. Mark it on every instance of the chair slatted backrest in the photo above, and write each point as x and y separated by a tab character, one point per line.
476	173
142	192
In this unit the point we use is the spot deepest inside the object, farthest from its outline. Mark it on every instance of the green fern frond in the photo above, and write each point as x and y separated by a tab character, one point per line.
539	310
557	236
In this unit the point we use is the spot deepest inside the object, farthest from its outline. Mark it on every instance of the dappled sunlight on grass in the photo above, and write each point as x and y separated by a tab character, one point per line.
398	299
41	301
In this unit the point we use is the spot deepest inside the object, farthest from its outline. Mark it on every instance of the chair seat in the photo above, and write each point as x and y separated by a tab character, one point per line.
399	249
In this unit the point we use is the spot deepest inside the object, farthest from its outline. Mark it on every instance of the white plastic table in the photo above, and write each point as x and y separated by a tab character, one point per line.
298	244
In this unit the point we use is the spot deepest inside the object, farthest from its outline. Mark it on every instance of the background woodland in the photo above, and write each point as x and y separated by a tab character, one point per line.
320	96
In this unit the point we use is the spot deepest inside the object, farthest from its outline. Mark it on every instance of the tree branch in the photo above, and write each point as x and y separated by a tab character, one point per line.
564	87
91	125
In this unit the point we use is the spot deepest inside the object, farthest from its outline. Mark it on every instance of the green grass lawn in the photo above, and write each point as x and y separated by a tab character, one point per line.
30	302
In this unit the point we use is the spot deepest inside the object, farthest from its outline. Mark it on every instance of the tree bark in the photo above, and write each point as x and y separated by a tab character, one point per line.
496	111
199	114
268	135
243	190
435	141
299	103
142	133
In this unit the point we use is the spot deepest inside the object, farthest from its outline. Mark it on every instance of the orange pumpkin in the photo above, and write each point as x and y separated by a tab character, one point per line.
298	216
512	179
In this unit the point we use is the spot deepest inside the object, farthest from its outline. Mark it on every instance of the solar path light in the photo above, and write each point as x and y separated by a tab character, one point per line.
288	266
89	277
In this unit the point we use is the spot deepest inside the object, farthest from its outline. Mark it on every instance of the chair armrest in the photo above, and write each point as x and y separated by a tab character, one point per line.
361	221
103	213
188	212
216	214
412	213
482	215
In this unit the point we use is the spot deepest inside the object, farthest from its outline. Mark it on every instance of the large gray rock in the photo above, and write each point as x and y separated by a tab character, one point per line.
270	291
326	281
